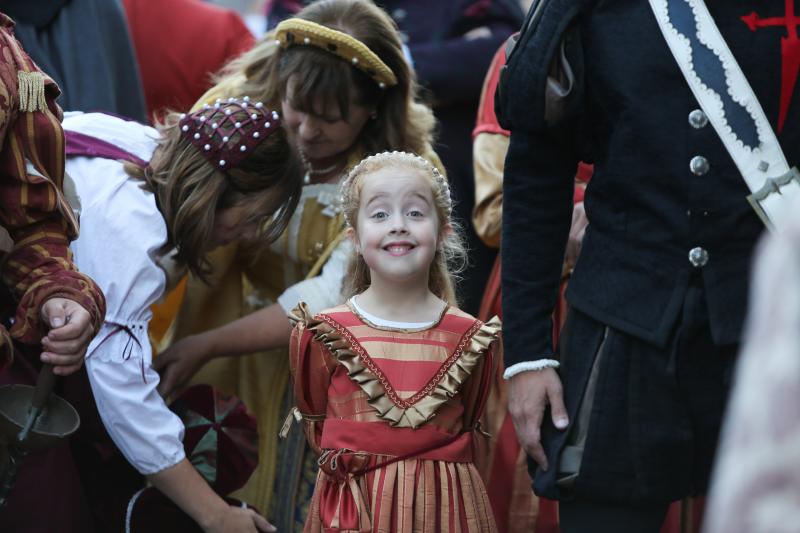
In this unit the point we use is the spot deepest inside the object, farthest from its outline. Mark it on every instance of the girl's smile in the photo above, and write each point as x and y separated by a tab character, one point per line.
399	248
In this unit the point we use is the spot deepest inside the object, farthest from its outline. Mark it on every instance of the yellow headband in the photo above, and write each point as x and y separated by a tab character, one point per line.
301	31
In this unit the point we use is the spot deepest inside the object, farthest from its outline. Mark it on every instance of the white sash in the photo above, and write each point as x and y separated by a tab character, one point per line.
771	181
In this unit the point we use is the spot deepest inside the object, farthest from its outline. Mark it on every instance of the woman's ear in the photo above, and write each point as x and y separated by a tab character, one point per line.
351	234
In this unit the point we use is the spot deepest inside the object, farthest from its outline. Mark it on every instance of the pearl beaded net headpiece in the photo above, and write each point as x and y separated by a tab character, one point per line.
381	160
228	130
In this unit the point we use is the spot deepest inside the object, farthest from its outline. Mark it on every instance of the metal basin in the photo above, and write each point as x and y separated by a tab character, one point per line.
57	421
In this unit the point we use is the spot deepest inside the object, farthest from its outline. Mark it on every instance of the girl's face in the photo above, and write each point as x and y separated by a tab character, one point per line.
322	132
397	229
230	224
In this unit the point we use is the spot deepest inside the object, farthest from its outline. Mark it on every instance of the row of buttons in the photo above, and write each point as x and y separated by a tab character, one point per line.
699	166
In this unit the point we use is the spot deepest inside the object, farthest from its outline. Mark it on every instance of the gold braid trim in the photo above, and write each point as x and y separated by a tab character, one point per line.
31	91
296	31
351	355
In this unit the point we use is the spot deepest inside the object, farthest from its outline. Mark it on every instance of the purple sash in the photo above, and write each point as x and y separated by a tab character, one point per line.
79	144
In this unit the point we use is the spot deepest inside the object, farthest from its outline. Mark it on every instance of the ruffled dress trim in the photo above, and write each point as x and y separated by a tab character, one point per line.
422	406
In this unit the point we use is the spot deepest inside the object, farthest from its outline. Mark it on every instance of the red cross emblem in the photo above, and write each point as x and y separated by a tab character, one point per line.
790	52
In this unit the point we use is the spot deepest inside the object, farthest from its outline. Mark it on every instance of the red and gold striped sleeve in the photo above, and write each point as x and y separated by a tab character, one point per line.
34	211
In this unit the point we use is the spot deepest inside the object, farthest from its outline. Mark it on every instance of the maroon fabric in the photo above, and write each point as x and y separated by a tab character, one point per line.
111	481
47	494
108	479
221	441
221	438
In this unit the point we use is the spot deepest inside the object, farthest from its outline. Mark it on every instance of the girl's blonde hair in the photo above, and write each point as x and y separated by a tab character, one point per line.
450	256
400	122
189	190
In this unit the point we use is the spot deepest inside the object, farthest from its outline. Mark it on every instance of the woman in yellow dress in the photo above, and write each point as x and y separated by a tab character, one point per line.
346	90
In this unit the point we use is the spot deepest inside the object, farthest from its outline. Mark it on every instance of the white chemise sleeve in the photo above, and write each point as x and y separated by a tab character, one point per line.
324	290
121	234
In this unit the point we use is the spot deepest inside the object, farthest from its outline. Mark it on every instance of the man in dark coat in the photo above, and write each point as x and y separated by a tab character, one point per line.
659	292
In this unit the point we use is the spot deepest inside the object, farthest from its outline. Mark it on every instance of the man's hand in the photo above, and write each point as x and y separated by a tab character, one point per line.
69	335
528	395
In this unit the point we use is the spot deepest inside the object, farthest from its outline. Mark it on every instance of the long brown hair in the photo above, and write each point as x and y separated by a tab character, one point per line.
450	257
400	122
189	190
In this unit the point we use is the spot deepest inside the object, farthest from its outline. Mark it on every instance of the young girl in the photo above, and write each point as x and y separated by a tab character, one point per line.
392	383
198	182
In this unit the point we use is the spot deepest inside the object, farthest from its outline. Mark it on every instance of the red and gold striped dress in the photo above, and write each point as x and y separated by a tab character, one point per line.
393	414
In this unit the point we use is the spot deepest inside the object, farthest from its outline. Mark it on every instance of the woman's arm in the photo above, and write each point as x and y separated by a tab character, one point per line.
183	485
264	329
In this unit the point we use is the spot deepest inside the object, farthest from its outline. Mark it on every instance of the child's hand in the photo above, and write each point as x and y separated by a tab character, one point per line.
528	395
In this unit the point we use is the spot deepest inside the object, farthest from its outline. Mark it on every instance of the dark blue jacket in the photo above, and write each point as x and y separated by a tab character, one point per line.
628	114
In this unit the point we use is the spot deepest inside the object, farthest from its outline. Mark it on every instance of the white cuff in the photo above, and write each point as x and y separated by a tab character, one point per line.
528	366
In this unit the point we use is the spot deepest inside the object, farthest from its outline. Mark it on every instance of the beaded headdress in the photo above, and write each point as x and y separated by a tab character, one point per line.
228	130
304	32
416	160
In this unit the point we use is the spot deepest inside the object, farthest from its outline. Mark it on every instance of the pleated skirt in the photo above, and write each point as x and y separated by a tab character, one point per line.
423	496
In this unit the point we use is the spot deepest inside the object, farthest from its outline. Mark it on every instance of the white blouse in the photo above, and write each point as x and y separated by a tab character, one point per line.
121	234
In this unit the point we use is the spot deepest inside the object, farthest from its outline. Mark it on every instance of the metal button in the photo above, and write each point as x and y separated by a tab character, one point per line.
699	165
698	257
698	119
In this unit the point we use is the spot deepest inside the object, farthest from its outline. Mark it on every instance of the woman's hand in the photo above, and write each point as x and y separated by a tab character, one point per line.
238	519
180	362
261	330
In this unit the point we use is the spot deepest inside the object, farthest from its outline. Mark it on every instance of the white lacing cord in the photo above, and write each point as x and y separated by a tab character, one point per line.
129	511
